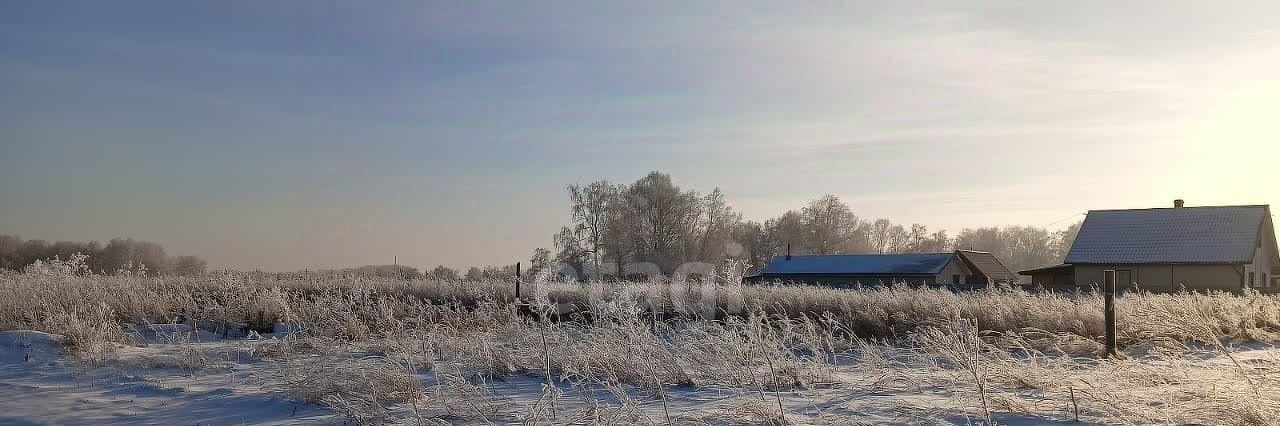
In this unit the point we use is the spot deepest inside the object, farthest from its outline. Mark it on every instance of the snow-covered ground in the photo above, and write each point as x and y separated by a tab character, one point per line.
146	385
40	385
180	377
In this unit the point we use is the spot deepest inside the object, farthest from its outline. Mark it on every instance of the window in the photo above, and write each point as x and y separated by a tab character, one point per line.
955	279
1251	279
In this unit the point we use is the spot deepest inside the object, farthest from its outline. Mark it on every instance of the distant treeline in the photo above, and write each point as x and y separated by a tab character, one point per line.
652	220
444	273
649	221
120	254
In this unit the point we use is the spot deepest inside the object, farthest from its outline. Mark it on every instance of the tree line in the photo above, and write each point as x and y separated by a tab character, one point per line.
443	273
119	254
651	221
654	221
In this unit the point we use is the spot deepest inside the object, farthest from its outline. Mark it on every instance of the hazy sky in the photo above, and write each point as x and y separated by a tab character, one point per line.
284	135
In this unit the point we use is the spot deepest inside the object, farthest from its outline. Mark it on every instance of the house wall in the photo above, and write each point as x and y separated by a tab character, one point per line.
954	267
1042	279
1091	275
1159	278
1263	260
1208	277
1167	278
1053	281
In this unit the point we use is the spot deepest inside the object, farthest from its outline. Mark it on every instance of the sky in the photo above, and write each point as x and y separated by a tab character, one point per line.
291	135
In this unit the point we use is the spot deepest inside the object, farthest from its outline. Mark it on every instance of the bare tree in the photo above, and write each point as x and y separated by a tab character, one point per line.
990	240
591	207
653	220
788	229
831	226
899	239
1019	247
1030	247
881	235
715	227
751	238
658	218
938	242
921	241
917	239
1064	239
570	250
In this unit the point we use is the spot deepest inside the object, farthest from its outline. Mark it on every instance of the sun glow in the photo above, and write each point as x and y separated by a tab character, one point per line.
1230	153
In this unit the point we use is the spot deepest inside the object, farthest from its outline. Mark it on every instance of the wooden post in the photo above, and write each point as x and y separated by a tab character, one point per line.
1109	313
517	281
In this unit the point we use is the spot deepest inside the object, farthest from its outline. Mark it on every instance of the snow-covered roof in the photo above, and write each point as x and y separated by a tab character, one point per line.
860	264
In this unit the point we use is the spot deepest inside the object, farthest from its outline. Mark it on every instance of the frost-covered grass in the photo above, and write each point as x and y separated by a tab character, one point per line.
426	352
358	308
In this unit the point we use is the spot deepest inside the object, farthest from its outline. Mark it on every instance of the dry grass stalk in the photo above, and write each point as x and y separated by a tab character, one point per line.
1016	352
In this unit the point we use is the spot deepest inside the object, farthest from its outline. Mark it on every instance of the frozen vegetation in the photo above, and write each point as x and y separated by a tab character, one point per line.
236	348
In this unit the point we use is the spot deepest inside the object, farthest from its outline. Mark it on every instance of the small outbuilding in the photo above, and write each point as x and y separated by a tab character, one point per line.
1056	277
1224	248
959	269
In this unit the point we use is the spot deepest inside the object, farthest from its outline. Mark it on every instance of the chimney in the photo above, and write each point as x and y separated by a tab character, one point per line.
788	251
1178	203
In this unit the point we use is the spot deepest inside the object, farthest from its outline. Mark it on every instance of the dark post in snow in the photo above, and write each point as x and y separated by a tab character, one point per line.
517	281
1109	310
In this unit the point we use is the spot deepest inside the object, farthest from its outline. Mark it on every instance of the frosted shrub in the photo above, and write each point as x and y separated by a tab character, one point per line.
89	331
57	268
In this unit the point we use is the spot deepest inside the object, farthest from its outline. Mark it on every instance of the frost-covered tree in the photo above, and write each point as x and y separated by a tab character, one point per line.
188	266
592	208
540	261
444	273
831	227
1064	239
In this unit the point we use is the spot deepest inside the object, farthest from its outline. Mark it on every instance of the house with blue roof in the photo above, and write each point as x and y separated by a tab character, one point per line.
1224	248
959	269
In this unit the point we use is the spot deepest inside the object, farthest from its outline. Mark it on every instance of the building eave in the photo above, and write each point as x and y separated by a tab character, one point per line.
1237	262
837	274
1055	268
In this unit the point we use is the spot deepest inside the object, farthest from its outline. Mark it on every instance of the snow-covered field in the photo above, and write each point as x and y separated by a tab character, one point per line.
178	375
41	385
142	350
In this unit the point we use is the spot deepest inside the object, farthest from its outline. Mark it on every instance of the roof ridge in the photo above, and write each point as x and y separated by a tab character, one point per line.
872	254
1264	206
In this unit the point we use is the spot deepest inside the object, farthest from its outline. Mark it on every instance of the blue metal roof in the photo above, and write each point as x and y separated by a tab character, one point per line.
1176	235
860	264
